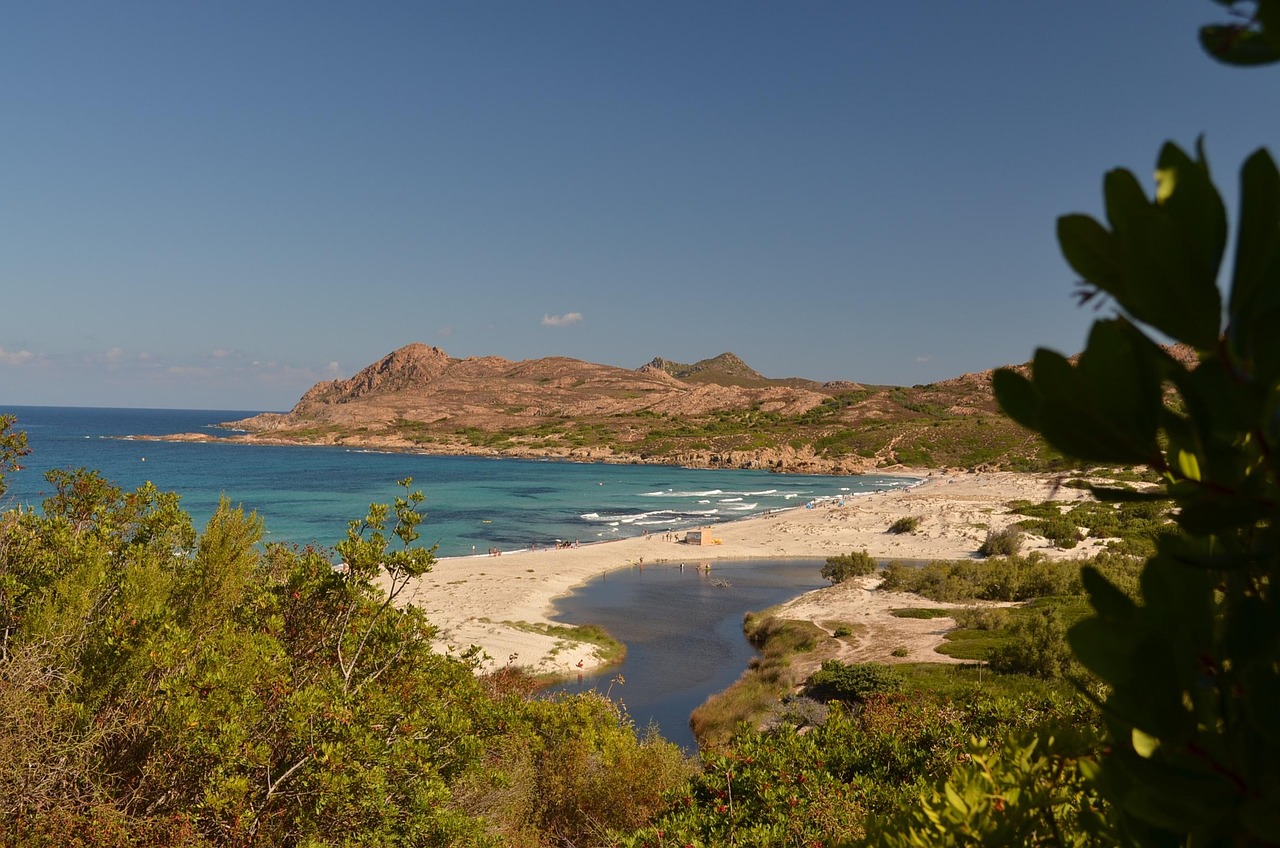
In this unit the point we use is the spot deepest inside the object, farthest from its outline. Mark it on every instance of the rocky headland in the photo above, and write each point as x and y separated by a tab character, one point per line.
716	413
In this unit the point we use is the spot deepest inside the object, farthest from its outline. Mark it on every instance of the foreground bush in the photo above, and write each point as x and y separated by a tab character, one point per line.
168	689
826	785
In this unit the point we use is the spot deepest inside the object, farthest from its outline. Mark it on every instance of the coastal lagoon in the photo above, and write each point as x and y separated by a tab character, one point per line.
683	630
308	494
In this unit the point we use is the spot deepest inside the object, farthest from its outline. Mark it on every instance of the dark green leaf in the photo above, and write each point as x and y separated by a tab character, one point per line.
1110	495
1259	229
1110	602
1086	245
1017	397
1191	199
1237	45
1124	198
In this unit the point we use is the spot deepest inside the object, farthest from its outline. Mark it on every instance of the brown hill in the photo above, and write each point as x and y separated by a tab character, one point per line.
716	412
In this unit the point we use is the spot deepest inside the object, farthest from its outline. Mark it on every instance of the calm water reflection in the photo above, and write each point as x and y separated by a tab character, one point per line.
682	629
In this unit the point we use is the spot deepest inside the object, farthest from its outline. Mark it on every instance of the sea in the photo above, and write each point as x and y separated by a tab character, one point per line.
309	494
682	626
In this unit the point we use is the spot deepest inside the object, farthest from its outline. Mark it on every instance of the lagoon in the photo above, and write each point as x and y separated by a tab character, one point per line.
682	629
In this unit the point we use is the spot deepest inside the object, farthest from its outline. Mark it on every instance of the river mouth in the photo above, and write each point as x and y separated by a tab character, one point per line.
682	625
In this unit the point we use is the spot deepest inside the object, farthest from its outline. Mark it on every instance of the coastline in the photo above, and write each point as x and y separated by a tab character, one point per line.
788	461
473	599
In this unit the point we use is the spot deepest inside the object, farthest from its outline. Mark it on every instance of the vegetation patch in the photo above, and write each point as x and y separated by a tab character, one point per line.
1006	542
608	649
768	679
843	629
852	682
906	524
921	612
847	566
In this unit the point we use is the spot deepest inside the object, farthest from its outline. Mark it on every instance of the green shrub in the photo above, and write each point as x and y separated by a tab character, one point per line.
981	618
920	612
1061	531
900	651
906	524
844	566
1038	647
1006	542
841	681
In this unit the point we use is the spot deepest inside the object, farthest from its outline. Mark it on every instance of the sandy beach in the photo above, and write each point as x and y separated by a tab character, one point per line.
476	600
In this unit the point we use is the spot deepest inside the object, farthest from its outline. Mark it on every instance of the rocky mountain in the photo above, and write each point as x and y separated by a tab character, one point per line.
712	413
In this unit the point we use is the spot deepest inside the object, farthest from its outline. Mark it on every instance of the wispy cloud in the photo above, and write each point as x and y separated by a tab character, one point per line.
15	357
564	320
445	332
924	359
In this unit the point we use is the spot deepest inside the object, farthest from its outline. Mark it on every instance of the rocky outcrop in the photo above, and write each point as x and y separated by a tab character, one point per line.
424	385
716	413
412	366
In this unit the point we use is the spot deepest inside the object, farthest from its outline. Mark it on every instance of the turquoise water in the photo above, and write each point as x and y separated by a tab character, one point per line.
308	494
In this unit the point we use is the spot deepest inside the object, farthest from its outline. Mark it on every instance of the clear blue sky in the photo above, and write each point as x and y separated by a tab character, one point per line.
217	204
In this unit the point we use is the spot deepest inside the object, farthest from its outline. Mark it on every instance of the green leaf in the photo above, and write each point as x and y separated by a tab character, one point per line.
1087	247
1258	230
1110	495
1017	397
1190	197
1237	45
1164	287
1110	602
1262	817
1268	13
1099	646
1188	465
1144	744
1124	198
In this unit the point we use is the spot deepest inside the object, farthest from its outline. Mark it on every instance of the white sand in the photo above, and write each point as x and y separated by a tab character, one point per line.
472	599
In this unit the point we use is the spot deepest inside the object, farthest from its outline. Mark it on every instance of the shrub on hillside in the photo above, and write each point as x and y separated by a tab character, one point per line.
981	618
1039	647
844	566
1061	531
1006	542
906	524
853	682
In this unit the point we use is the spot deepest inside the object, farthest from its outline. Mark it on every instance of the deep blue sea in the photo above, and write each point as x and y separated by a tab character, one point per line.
308	494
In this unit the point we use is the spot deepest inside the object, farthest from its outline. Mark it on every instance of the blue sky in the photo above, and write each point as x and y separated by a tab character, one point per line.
216	205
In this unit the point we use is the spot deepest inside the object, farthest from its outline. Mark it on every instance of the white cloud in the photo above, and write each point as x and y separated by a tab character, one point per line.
332	368
561	320
15	357
924	359
445	332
